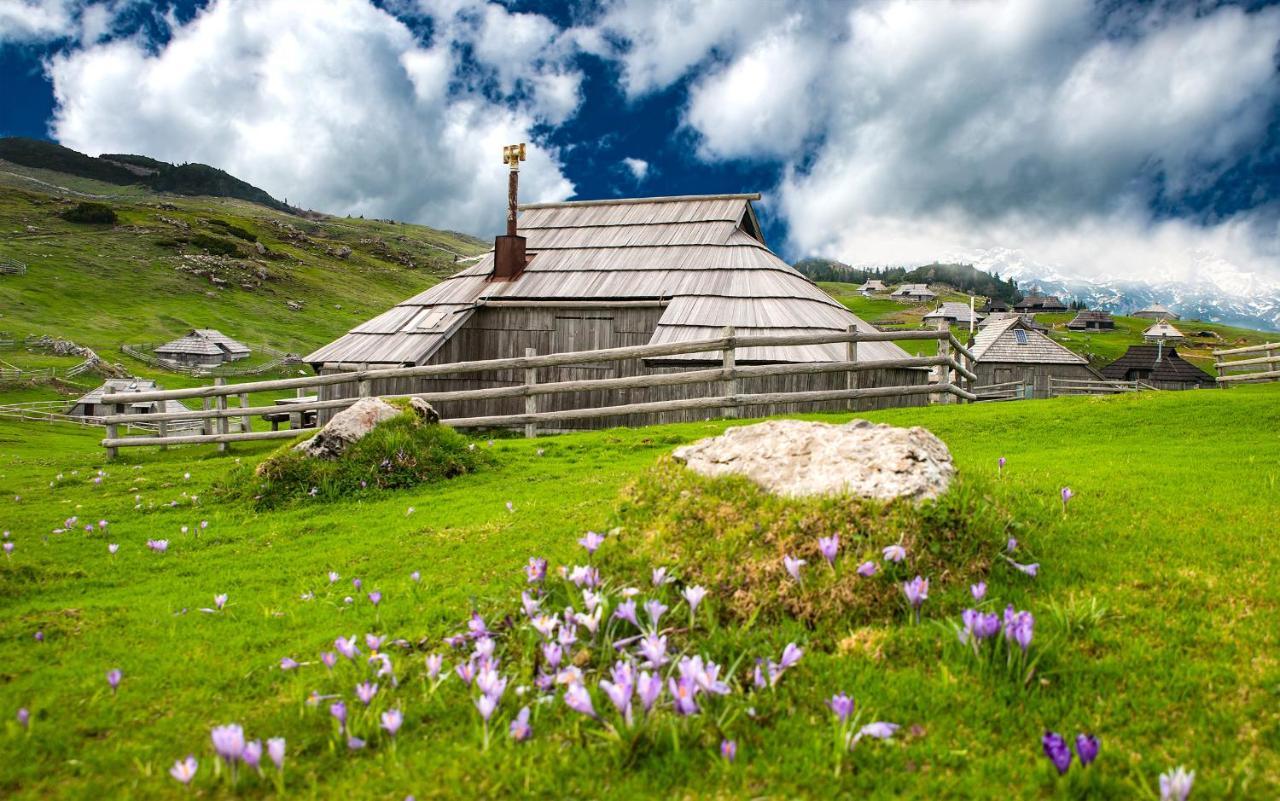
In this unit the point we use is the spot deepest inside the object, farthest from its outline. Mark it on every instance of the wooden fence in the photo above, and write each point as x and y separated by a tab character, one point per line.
1060	387
27	375
951	369
55	412
1006	391
143	353
11	267
1256	368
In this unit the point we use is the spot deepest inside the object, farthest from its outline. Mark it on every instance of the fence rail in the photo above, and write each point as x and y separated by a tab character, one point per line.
12	267
1008	390
1257	368
142	353
1060	387
951	369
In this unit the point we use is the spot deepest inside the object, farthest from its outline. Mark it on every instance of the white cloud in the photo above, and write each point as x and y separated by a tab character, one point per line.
34	21
334	105
919	129
639	168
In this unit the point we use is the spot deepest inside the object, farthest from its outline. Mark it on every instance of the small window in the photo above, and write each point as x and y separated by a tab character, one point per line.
1020	335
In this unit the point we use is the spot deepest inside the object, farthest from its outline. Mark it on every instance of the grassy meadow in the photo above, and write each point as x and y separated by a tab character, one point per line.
1156	608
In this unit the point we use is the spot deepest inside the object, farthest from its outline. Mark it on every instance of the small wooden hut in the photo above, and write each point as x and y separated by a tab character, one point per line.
1156	312
873	287
91	405
1162	332
955	313
1089	320
1034	303
916	293
203	347
612	273
1011	350
1158	365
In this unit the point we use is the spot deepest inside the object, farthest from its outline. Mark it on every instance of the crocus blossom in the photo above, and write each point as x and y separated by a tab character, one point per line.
1019	627
434	663
1000	463
23	716
728	750
578	699
536	570
159	546
252	755
660	576
288	663
1067	495
829	547
627	611
228	741
1086	748
1175	785
880	730
392	720
793	565
654	608
275	750
591	541
365	691
184	770
520	729
693	596
895	553
868	569
113	678
220	600
979	590
375	597
917	592
339	711
1057	750
113	547
842	705
347	646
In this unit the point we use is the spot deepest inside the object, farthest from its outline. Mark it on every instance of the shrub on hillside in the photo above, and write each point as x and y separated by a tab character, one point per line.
730	536
215	245
90	213
235	230
402	452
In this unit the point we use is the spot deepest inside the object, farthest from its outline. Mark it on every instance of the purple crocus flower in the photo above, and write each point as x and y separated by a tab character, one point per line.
1086	748
530	605
520	729
1019	627
895	553
24	717
113	678
339	711
159	546
536	570
790	655
220	601
627	611
842	705
415	577
1011	545
660	576
693	596
1175	785
649	689
288	663
466	671
275	750
1057	750
184	770
654	650
333	577
39	636
375	597
434	663
591	541
355	743
620	690
917	592
1067	495
978	590
391	721
578	699
793	566
374	641
228	741
365	691
728	750
252	755
113	547
357	583
880	730
654	608
684	693
868	569
8	547
829	547
347	647
1000	463
1030	570
329	658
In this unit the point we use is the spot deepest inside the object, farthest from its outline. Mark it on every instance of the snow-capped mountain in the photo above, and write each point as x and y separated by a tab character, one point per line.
1220	292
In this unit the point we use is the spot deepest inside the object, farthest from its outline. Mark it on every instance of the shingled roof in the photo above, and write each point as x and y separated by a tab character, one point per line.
1013	340
960	312
204	342
703	256
1170	367
1162	330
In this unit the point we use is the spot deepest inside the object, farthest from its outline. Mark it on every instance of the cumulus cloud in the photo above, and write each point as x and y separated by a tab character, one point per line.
922	129
639	168
336	105
35	21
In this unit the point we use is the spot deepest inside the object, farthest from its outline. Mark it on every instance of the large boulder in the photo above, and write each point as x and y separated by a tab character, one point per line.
347	426
797	458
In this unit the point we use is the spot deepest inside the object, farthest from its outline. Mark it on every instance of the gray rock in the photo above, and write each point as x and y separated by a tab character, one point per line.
424	410
796	458
347	426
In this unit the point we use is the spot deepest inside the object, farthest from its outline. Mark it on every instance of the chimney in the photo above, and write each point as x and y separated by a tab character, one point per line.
508	251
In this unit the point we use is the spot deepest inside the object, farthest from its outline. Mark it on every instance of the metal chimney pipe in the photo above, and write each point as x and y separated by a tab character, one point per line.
509	251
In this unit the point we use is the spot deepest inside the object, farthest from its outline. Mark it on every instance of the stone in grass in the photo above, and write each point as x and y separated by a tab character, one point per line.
347	426
795	458
425	411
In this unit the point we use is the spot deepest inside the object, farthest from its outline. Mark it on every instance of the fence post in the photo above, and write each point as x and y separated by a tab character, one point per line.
162	430
1217	365
363	387
112	431
729	384
1274	358
223	423
246	423
944	370
851	355
530	400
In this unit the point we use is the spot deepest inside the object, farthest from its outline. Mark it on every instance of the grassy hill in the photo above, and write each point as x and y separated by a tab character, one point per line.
1100	347
1155	607
173	263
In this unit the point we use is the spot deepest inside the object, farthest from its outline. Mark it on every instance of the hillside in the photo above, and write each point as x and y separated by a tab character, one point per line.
130	170
1154	612
173	263
960	277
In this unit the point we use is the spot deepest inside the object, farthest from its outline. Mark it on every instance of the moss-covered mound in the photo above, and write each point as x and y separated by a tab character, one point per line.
402	452
731	537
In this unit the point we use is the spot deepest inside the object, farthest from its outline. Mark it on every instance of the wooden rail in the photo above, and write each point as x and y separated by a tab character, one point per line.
727	376
1060	387
1005	391
1271	360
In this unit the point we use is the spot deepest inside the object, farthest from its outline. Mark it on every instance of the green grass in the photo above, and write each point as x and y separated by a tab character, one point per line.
1170	532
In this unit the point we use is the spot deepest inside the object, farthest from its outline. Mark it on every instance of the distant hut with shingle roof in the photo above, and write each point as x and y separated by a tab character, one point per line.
1088	320
203	347
90	404
1009	349
1158	365
613	273
955	313
1156	312
1163	332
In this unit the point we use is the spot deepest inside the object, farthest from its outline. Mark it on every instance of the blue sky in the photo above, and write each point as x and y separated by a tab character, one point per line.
1096	139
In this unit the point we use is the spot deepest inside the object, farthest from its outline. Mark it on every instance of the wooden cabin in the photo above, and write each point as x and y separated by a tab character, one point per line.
91	405
873	287
1160	366
612	273
994	305
203	347
958	314
917	293
1011	350
1034	303
1088	320
1156	312
1162	332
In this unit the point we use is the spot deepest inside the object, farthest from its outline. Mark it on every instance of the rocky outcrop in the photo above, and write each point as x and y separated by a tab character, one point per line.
425	411
797	458
347	426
